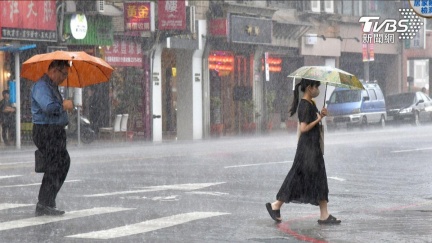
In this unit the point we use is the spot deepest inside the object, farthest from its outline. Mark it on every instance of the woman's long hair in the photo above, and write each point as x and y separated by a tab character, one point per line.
303	84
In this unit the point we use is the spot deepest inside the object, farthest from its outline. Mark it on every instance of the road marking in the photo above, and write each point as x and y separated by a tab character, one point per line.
4	206
336	178
9	176
147	226
181	187
268	163
33	184
166	199
410	150
209	193
22	223
16	163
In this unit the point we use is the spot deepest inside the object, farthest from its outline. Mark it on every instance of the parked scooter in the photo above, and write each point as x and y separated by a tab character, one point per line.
87	134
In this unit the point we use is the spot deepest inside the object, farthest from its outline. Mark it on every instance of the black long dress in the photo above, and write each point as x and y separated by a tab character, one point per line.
306	181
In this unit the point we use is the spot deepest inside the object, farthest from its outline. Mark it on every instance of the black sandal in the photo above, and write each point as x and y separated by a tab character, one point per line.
329	220
274	214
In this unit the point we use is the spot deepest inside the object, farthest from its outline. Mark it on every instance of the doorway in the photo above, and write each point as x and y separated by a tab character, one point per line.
169	95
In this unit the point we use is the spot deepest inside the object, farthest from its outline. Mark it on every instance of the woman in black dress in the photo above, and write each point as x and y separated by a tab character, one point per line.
306	182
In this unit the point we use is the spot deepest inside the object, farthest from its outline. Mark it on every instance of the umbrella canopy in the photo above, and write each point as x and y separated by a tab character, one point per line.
329	75
85	69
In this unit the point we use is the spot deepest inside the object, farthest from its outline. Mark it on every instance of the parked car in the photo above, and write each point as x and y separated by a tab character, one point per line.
356	107
413	107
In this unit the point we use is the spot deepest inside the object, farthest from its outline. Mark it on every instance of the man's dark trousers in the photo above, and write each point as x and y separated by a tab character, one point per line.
51	141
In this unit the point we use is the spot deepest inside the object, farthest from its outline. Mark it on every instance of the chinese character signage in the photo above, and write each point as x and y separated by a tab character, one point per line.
368	40
124	53
172	14
28	20
251	30
137	16
422	7
219	27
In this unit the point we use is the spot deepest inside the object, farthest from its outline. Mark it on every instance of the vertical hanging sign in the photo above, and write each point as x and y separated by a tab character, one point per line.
28	20
138	16
267	68
172	14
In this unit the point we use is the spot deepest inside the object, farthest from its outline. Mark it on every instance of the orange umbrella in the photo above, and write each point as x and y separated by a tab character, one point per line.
85	69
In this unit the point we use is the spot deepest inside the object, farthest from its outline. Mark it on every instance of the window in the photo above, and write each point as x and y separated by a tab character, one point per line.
280	4
424	97
429	24
328	6
419	97
379	94
315	6
372	94
345	96
349	7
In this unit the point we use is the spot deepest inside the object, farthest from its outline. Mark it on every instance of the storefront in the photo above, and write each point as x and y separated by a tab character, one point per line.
28	27
176	75
235	66
91	33
128	86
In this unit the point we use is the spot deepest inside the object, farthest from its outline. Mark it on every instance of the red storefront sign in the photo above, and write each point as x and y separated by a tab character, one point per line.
137	16
172	14
28	20
219	27
124	53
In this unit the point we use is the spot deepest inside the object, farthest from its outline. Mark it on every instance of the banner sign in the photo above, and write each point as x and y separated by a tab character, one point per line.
124	53
28	20
250	30
137	16
219	27
172	14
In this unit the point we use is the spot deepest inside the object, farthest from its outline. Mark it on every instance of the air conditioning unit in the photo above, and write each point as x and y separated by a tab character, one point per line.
70	6
87	6
190	19
310	39
100	6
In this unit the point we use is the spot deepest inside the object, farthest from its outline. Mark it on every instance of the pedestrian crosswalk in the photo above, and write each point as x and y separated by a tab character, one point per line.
110	233
147	226
105	229
34	221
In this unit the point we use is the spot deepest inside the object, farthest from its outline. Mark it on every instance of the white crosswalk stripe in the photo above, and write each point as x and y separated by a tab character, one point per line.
180	187
4	206
34	221
34	184
9	176
147	226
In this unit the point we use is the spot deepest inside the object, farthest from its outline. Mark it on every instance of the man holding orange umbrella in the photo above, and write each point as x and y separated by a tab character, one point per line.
49	115
49	70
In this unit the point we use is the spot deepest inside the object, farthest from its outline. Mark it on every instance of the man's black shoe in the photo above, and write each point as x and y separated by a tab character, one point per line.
45	210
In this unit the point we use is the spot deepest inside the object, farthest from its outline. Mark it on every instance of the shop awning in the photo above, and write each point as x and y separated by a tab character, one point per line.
287	26
16	47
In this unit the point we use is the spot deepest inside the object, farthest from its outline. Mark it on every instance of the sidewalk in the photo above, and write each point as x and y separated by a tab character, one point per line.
409	223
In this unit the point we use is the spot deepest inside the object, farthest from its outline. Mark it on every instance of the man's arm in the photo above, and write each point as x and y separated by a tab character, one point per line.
44	97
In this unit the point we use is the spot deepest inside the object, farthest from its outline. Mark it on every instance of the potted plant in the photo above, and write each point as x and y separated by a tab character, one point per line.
216	127
270	97
130	99
248	113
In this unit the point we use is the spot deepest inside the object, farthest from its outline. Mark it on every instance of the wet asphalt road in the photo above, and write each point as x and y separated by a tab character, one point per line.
215	191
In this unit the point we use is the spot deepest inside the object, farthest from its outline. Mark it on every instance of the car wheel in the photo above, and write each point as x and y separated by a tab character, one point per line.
364	122
382	121
416	119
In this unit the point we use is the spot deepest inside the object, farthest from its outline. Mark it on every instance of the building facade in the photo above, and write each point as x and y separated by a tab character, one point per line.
195	69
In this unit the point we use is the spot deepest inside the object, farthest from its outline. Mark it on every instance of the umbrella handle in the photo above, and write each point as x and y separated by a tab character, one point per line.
325	95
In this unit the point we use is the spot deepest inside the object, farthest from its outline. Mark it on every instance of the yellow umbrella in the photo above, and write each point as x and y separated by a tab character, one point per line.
329	75
85	69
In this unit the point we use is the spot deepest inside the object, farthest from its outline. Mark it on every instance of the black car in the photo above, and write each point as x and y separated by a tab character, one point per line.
414	107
